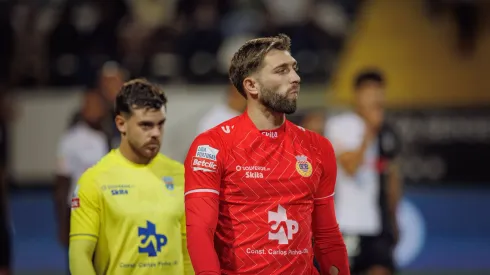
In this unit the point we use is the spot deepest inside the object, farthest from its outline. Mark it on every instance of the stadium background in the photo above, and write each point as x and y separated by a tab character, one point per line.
435	54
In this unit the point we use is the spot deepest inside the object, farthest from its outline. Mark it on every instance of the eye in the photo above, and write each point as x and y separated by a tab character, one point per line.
146	126
283	70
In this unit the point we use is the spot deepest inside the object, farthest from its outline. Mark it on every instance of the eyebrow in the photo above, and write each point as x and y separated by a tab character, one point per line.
150	122
286	64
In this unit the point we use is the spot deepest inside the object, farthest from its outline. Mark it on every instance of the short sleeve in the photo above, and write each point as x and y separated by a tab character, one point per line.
345	133
85	209
326	187
65	158
204	167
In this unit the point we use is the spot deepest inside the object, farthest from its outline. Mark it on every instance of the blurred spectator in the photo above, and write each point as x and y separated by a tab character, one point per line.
233	106
201	39
314	121
108	82
31	24
80	147
6	113
369	187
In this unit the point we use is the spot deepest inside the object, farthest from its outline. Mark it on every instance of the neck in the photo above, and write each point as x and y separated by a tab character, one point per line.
234	105
128	153
265	119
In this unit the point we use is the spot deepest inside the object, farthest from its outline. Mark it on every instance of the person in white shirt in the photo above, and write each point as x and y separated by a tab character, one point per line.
235	104
80	147
368	187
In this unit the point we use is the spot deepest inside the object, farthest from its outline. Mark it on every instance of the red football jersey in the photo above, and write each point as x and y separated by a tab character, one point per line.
267	183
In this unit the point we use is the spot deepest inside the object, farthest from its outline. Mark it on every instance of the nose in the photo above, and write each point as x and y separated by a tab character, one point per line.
156	132
295	78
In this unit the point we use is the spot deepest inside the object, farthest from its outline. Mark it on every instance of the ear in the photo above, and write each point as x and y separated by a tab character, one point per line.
251	86
121	124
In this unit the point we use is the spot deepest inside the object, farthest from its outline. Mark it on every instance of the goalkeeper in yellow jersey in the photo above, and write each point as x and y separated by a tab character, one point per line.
127	212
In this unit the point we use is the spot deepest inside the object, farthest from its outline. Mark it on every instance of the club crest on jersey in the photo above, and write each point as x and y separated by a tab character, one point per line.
303	166
169	183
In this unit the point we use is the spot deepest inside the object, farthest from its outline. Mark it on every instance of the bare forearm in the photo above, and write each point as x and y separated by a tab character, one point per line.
351	161
394	189
60	199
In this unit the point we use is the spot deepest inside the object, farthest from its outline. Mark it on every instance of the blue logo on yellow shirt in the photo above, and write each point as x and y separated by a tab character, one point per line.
169	183
150	242
119	192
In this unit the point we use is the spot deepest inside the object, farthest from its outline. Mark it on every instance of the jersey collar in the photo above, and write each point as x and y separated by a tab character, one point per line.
274	134
124	161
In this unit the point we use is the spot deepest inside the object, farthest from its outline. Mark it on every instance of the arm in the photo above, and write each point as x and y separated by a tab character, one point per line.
349	142
85	222
390	147
351	160
188	270
329	246
64	172
4	193
393	193
202	186
61	190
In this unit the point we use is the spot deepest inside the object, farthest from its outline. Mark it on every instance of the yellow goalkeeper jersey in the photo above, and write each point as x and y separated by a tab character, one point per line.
135	213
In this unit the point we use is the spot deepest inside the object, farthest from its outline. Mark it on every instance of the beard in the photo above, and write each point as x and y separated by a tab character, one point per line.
276	102
141	152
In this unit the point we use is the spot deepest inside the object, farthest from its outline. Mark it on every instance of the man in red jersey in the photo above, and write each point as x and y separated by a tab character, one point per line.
258	187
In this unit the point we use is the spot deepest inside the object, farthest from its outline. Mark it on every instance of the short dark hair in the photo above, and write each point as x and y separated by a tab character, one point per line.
371	75
250	56
139	93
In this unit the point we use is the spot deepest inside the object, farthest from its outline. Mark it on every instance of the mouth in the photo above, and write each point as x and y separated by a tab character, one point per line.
153	146
294	90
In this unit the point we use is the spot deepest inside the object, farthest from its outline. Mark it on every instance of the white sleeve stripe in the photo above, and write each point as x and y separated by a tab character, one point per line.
201	191
325	197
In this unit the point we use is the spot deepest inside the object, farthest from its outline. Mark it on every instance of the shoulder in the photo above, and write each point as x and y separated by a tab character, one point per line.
317	142
169	164
105	164
220	133
76	136
345	119
344	124
71	134
87	181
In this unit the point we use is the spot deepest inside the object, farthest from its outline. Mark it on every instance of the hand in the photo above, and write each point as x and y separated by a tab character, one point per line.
333	271
374	119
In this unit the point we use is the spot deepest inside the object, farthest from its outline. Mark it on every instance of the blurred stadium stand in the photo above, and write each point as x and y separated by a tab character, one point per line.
435	54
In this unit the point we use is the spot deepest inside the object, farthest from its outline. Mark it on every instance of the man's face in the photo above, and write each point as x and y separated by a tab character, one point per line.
279	82
370	97
110	85
144	130
93	109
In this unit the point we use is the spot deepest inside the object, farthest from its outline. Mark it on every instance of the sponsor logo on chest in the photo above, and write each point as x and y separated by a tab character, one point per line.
252	171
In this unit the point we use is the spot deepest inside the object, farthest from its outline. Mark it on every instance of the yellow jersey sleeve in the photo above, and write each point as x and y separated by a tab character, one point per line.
85	209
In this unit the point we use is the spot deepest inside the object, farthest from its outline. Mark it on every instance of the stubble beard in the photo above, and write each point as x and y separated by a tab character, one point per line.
277	103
